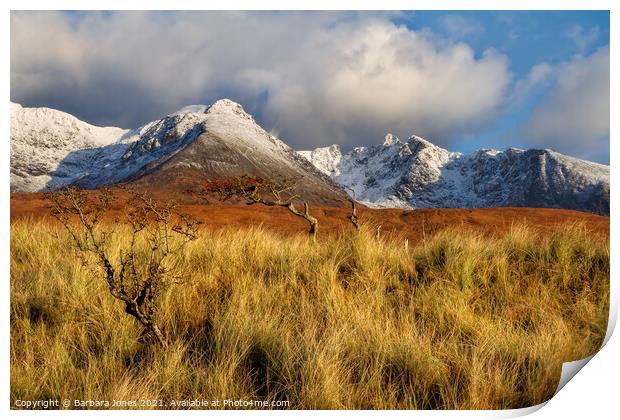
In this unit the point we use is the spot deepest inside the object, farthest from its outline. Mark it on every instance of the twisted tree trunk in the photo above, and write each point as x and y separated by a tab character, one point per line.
353	216
312	221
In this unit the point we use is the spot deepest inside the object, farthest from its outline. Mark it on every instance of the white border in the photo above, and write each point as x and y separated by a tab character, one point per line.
313	5
594	391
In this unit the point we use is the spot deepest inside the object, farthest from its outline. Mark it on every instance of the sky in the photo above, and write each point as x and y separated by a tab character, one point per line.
463	80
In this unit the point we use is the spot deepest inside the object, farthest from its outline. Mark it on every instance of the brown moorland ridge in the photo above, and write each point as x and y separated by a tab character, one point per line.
410	224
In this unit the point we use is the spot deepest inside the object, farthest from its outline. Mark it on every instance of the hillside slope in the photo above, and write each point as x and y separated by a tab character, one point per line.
43	146
178	152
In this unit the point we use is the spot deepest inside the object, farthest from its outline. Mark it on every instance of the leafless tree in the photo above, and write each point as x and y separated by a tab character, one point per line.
136	276
258	191
353	216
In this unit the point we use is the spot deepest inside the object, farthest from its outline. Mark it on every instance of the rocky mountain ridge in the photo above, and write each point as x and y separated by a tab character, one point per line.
51	149
418	174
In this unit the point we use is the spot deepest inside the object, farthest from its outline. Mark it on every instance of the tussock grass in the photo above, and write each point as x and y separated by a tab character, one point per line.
457	322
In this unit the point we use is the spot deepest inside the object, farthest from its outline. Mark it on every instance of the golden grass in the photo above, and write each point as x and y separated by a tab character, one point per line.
458	322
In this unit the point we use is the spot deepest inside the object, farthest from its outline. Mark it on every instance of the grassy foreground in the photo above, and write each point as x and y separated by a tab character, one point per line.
457	322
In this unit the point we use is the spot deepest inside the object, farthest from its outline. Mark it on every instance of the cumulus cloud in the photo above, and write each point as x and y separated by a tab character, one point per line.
574	118
315	78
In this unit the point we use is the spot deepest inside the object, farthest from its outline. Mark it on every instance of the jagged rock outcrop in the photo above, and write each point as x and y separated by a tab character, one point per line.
417	174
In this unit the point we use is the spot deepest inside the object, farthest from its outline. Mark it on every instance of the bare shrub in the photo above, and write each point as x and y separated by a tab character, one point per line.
268	193
137	277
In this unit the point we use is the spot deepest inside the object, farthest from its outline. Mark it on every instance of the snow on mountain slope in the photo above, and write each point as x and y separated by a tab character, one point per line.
228	120
229	144
195	143
43	138
325	159
139	147
159	141
418	174
50	148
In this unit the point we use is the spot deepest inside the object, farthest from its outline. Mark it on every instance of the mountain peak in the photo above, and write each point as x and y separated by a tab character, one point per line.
44	142
334	148
419	140
419	174
226	104
229	113
325	159
390	139
176	153
220	106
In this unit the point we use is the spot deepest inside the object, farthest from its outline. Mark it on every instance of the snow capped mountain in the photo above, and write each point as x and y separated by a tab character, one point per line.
140	147
225	142
42	141
325	159
50	149
418	174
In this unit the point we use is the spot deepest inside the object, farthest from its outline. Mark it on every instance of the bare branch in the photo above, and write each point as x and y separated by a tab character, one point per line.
141	275
258	191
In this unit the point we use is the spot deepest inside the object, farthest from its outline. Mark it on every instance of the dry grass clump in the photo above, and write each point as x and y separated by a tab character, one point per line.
457	322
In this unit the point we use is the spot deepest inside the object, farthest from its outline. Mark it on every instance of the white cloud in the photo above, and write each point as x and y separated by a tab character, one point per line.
574	118
316	78
538	76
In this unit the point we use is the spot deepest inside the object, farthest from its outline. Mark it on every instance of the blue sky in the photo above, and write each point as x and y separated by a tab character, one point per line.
463	79
526	38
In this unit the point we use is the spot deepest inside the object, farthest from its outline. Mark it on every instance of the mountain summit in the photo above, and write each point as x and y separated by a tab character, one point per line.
176	152
50	149
418	174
